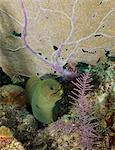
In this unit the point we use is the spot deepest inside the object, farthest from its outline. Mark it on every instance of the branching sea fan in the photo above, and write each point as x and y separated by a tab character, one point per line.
86	127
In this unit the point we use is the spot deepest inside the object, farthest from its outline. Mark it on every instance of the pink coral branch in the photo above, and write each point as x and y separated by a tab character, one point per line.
86	128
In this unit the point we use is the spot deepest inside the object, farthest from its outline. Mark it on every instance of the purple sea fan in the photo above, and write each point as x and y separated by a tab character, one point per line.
86	127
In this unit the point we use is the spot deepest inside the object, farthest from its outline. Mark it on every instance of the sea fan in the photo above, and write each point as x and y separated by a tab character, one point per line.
86	127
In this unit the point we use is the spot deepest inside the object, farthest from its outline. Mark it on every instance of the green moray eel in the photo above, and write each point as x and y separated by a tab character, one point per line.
42	95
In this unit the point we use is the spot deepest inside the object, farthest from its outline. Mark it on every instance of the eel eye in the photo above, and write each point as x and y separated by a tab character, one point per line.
51	88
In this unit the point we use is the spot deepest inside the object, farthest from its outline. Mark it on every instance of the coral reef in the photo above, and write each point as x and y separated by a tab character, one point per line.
64	135
19	121
85	110
14	145
71	41
45	35
91	117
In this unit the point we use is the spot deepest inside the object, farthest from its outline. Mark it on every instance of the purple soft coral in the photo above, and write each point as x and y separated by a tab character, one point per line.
86	128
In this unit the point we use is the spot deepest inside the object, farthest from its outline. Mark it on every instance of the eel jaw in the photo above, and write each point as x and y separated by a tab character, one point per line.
58	93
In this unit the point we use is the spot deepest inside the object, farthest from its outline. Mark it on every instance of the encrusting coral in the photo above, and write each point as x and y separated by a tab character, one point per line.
7	140
12	95
64	134
20	121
